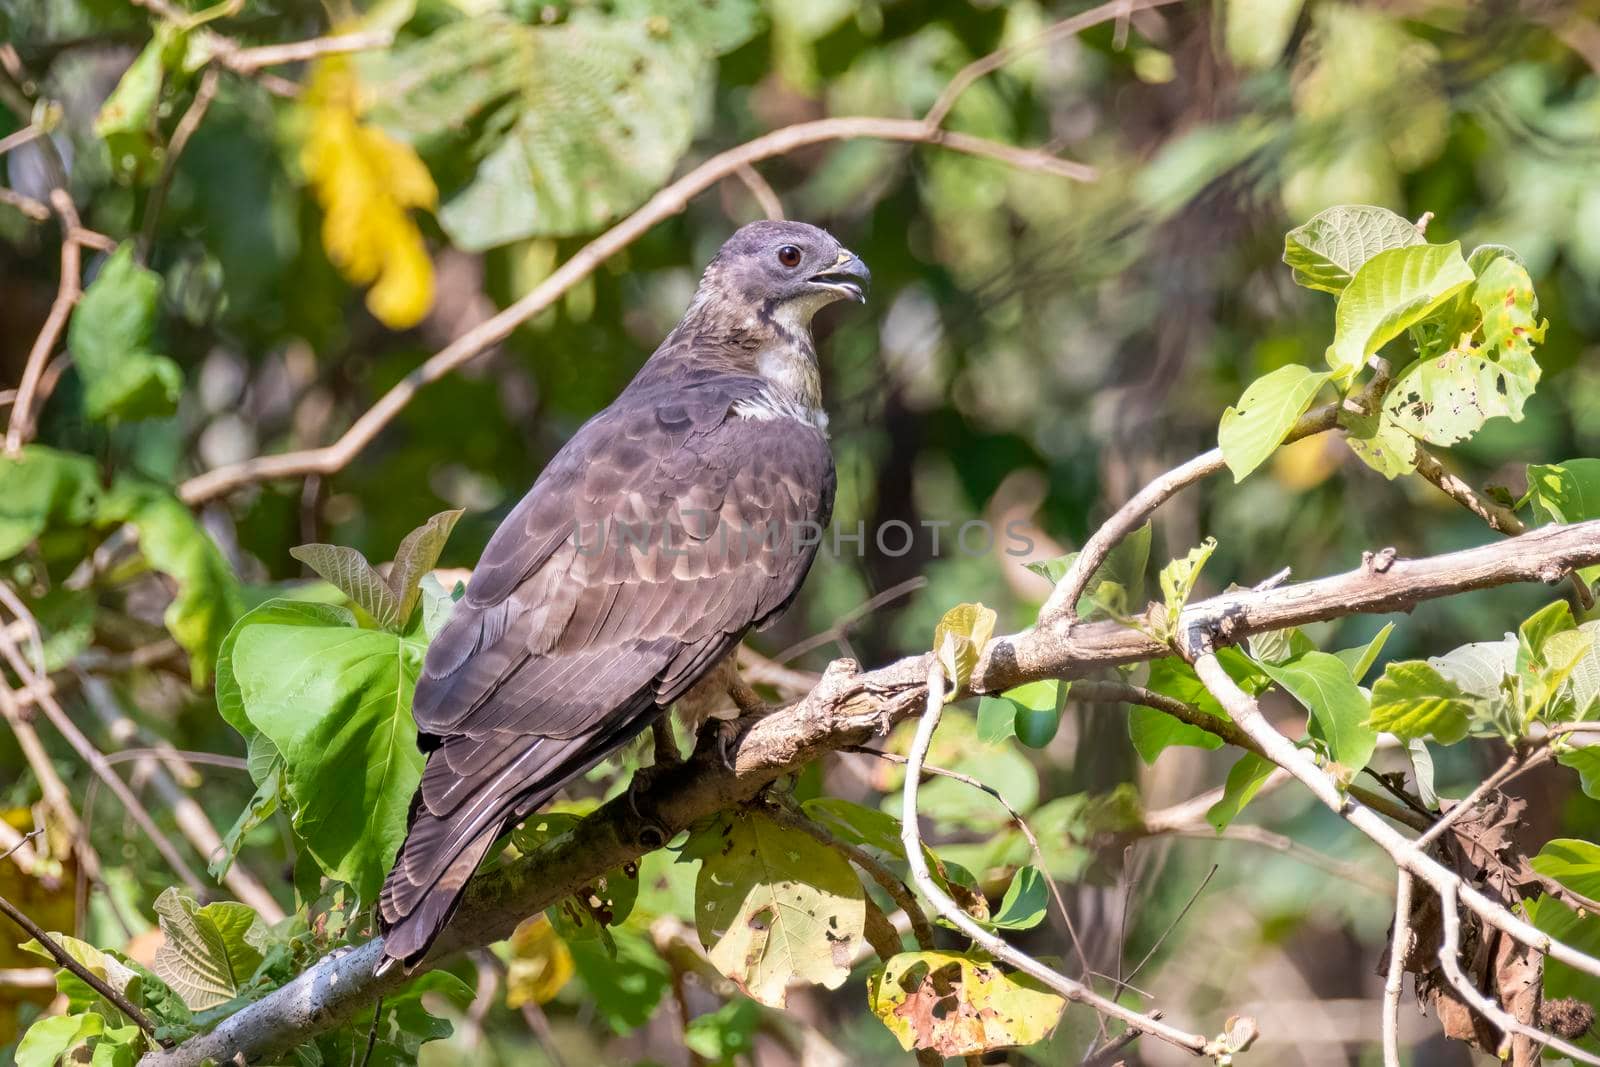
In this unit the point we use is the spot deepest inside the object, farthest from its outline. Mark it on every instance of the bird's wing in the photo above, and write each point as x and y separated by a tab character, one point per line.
655	540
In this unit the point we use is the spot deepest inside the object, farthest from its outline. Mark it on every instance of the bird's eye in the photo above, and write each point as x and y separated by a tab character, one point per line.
789	256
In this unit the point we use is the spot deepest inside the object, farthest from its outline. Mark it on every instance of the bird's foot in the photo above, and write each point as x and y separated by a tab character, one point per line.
723	736
651	834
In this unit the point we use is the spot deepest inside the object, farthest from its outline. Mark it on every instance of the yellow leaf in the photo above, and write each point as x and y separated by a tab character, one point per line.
366	181
540	963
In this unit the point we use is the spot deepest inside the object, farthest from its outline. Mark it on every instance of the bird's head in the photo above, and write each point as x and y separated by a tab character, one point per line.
783	271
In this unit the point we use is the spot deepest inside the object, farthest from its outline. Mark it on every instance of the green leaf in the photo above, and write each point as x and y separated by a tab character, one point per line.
1154	731
127	119
415	557
276	612
173	542
858	824
40	487
336	701
775	905
1267	411
1380	442
1327	251
111	337
997	720
1360	659
1031	713
1572	862
103	965
1025	903
1117	588
1245	780
1279	646
625	989
1390	293
1256	31
81	1038
1414	700
210	952
725	1036
1323	685
576	123
348	571
1564	492
1586	761
259	809
1179	576
1582	932
959	1004
958	641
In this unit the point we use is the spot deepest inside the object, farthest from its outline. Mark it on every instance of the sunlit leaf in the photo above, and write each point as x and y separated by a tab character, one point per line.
1256	31
1326	252
1323	685
1361	658
1389	293
415	557
774	906
1267	411
958	641
1245	780
1414	700
348	571
1572	862
1025	903
209	952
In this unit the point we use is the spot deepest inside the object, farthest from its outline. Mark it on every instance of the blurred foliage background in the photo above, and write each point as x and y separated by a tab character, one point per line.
1034	350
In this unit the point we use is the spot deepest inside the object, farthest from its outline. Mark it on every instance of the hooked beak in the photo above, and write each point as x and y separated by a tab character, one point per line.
849	277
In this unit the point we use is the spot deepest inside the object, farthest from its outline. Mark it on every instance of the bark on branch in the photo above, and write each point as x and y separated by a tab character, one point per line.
846	708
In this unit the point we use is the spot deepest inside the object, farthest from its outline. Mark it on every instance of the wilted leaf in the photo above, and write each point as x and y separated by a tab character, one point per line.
367	182
1326	252
958	641
210	952
540	964
348	571
1391	292
415	557
1245	780
41	486
1322	684
1267	411
1414	700
112	335
958	1005
773	905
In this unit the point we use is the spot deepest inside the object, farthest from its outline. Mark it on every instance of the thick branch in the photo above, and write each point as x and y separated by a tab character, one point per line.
847	708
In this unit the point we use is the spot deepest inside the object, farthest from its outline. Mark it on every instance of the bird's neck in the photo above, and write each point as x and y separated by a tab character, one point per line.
773	343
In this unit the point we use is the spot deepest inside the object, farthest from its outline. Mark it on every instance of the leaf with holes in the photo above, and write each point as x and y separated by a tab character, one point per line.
1326	252
1267	411
959	1004
773	905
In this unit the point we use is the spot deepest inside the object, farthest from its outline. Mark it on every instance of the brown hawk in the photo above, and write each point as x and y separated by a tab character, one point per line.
673	522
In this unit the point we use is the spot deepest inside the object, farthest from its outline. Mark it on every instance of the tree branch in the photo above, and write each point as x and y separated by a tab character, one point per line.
847	708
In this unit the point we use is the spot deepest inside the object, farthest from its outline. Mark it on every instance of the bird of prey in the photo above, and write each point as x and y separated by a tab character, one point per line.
673	522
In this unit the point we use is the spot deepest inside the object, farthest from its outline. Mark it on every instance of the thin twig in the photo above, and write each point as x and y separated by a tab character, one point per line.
19	138
68	289
843	623
372	1034
1394	981
759	188
94	981
250	60
21	842
996	946
1123	983
667	202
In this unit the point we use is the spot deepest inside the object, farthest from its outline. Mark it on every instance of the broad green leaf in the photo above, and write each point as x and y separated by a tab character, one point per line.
1564	492
1536	631
1414	700
1025	903
624	988
958	641
1484	255
1327	251
415	557
112	335
1586	761
277	612
42	486
775	905
1117	588
1178	578
1479	668
1361	658
80	1038
1390	293
1245	780
959	1005
348	570
1153	731
1323	685
1582	932
209	598
1572	862
336	701
209	952
579	122
997	720
1447	399
858	824
1266	413
1031	713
